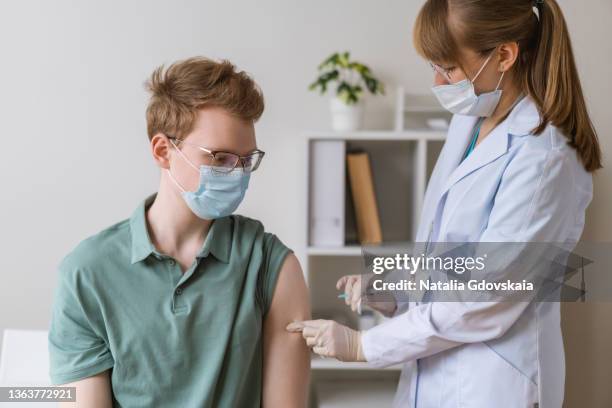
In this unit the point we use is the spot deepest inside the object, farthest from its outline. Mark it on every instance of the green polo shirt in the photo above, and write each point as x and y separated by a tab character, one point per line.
171	339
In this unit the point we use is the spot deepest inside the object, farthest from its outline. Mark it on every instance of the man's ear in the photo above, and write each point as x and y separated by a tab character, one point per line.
507	54
160	149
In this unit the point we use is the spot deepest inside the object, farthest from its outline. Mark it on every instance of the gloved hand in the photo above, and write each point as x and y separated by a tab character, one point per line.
330	339
383	302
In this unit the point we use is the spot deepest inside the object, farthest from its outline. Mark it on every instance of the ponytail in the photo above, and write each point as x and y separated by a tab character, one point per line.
552	82
545	69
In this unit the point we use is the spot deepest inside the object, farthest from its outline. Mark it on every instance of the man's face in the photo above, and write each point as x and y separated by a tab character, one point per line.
215	129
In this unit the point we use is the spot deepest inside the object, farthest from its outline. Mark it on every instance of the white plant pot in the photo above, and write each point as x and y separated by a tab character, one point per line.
345	117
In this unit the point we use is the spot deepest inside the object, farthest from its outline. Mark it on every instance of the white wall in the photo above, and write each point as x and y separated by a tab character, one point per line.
74	155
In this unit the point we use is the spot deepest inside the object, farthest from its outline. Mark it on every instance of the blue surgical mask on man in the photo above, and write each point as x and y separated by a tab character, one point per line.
218	193
460	98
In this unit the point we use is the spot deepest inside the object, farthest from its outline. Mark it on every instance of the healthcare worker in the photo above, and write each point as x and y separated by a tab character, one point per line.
516	167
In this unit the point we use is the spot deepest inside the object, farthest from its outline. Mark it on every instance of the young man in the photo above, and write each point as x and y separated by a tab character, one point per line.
185	304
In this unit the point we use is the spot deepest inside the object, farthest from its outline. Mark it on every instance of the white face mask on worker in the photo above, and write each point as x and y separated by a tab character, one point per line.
460	98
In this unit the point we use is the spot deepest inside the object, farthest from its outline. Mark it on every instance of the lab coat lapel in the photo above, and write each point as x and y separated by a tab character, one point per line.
457	140
459	137
492	147
450	169
523	118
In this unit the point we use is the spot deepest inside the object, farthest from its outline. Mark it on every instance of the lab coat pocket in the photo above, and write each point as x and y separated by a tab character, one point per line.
488	377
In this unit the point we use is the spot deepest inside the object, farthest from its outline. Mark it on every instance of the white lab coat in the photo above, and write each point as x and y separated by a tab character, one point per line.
514	187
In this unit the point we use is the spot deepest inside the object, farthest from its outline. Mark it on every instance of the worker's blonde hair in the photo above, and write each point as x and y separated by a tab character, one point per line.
545	67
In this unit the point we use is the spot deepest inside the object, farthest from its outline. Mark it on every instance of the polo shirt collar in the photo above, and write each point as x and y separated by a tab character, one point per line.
218	240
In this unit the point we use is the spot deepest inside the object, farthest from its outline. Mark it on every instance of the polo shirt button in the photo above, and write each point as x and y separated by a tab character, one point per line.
178	291
171	262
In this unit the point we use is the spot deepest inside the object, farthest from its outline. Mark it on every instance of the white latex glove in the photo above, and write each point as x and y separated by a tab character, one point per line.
330	339
384	303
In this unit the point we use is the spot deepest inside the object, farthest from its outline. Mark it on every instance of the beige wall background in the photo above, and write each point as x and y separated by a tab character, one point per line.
588	327
74	155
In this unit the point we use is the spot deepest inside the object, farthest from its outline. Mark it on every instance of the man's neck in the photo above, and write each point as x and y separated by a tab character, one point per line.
174	229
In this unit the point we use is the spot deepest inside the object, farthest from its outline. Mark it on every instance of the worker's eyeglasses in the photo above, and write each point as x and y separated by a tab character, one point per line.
225	162
445	72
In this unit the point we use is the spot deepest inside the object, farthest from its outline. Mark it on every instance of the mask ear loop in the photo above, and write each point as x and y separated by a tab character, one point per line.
170	173
184	157
483	66
174	181
500	80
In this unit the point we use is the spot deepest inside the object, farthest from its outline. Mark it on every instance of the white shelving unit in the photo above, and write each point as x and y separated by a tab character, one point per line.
421	146
414	110
402	162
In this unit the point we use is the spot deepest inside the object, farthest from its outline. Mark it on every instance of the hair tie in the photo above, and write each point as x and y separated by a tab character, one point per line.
536	8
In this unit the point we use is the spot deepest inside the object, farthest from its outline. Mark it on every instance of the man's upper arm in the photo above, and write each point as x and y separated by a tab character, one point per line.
91	392
286	357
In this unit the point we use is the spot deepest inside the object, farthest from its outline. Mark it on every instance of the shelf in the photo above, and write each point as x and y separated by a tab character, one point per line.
412	134
318	363
401	160
349	250
426	109
388	248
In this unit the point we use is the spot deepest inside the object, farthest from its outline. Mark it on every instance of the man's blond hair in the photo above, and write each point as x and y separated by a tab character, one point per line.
187	86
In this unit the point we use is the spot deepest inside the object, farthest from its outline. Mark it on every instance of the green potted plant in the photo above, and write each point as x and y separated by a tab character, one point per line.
350	79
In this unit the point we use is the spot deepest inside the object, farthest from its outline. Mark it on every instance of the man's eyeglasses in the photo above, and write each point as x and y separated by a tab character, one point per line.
225	162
